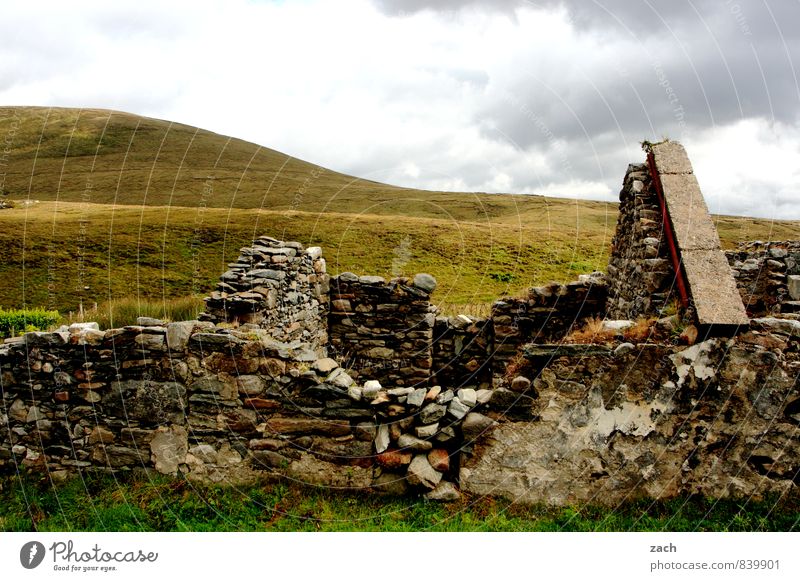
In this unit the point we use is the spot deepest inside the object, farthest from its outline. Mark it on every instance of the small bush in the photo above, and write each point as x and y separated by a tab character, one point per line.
16	321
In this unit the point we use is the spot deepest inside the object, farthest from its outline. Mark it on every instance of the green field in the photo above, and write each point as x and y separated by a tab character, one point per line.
110	205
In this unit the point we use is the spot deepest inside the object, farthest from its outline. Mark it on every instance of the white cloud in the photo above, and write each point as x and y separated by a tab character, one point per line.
521	100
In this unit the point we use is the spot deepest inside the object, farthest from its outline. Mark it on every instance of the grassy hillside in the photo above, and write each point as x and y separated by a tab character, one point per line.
131	206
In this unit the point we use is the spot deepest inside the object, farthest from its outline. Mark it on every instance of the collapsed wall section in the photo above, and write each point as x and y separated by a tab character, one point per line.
281	287
546	314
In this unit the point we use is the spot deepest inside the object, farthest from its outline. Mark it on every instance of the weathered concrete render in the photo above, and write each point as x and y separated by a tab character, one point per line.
713	289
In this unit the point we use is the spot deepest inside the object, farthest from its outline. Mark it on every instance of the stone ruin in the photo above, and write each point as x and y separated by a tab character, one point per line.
355	382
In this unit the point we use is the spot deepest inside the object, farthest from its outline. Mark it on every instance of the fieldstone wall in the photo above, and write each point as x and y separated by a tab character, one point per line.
383	330
768	276
547	314
279	286
609	424
640	274
222	405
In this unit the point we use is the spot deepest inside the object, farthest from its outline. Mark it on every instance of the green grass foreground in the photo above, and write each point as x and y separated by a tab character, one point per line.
145	503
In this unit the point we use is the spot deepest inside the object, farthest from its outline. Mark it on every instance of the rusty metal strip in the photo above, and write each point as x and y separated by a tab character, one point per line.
673	248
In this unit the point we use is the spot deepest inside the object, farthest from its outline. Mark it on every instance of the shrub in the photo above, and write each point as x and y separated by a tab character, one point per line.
16	321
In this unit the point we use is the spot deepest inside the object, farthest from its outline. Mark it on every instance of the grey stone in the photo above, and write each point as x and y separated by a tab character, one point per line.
314	252
617	325
467	396
716	299
348	277
79	327
382	439
250	384
624	349
34	415
340	378
785	326
446	434
150	342
445	396
483	396
169	449
371	280
671	158
407	441
793	283
267	273
204	452
431	413
425	282
215	341
354	392
475	424
149	322
178	335
417	397
444	492
427	431
421	473
457	409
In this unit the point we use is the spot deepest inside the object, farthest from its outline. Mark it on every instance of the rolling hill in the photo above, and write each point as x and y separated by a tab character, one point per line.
111	205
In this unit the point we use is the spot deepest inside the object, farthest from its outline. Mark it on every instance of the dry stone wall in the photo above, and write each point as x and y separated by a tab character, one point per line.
280	286
222	405
768	276
640	274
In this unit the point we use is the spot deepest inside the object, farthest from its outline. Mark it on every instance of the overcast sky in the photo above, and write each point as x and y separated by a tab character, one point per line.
549	97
